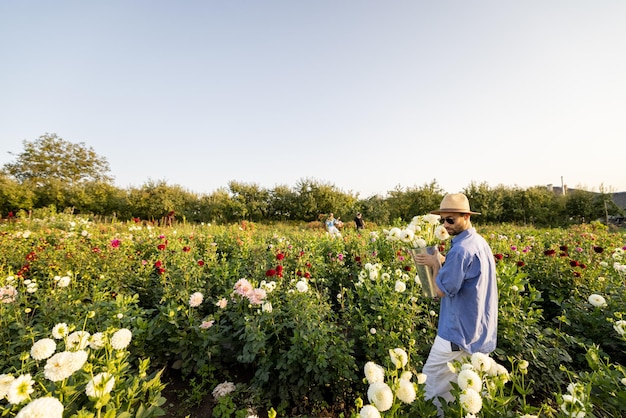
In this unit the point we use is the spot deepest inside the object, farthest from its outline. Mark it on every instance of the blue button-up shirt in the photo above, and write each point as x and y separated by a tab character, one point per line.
468	315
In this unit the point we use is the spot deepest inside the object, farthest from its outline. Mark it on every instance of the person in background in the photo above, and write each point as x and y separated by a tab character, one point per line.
331	226
466	284
358	221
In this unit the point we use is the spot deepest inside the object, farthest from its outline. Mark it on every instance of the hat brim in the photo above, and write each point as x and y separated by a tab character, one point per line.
453	210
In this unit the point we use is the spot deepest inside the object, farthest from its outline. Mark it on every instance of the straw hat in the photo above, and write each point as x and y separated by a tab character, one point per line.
454	203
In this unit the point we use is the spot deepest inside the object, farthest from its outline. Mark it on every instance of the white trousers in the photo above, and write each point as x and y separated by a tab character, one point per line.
438	375
334	232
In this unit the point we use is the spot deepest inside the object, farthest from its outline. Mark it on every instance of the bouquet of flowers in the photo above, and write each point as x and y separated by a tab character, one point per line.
423	234
423	231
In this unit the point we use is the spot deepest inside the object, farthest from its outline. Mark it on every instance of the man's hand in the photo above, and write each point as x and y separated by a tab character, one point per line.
433	260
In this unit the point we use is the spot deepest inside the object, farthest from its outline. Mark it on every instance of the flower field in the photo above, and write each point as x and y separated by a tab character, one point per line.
98	320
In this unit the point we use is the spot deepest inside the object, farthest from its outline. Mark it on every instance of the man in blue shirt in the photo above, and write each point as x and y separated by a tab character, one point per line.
466	284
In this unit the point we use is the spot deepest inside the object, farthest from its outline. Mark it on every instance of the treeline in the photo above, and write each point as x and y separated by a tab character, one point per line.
54	174
309	200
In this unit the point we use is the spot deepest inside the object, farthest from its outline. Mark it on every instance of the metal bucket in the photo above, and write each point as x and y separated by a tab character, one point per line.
425	273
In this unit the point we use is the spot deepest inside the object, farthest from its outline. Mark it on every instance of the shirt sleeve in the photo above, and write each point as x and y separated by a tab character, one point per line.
451	274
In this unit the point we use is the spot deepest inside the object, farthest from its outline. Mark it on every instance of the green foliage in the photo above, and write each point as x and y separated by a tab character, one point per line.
316	311
14	196
53	172
406	203
382	316
403	381
50	157
292	343
605	379
155	199
133	388
250	199
237	401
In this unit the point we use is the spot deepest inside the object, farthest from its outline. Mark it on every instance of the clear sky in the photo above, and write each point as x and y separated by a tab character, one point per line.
365	95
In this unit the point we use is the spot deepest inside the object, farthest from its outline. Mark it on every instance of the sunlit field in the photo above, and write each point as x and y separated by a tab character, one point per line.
282	320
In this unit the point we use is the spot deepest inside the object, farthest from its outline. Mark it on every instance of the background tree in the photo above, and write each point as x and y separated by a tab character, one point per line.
315	198
58	175
54	192
375	210
584	206
604	205
541	205
50	157
218	207
61	174
155	199
424	199
281	203
514	205
100	198
404	204
14	196
579	206
251	198
486	201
